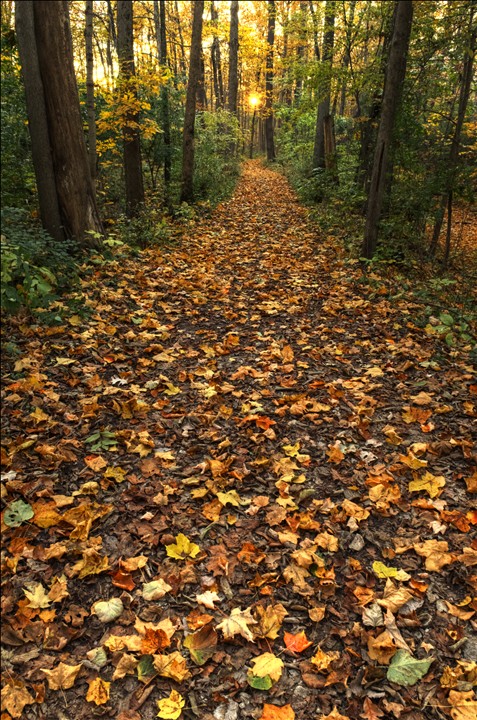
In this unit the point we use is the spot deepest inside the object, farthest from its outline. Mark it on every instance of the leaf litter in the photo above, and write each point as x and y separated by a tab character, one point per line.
241	485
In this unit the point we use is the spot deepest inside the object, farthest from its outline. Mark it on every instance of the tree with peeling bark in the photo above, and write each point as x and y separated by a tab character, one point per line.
59	151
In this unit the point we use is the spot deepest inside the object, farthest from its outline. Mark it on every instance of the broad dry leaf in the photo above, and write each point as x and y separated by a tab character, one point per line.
182	548
432	484
269	620
435	552
170	708
237	624
173	666
277	712
382	647
15	697
98	691
62	677
267	664
296	643
322	660
463	705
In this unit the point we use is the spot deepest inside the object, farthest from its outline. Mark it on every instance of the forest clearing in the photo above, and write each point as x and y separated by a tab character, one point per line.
238	387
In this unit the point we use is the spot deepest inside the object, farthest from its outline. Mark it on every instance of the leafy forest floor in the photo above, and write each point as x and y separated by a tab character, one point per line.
239	482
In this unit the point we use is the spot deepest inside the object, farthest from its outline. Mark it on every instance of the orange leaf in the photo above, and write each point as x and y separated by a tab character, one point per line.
275	712
297	643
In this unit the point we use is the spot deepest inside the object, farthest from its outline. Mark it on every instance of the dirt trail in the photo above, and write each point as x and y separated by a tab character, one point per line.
273	408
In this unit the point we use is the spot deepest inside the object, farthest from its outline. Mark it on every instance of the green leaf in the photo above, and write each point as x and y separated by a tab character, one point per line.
446	319
450	339
260	683
406	670
146	669
17	513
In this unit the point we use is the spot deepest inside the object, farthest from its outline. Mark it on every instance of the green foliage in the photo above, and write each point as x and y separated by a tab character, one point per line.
35	268
217	165
102	440
17	177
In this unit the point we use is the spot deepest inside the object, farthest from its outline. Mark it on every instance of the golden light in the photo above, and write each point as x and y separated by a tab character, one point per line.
253	100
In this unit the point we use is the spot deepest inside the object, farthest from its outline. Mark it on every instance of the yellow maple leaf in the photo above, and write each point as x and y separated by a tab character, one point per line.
98	691
432	484
170	708
182	548
267	664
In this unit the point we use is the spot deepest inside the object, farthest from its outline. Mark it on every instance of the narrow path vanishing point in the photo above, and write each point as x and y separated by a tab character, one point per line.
262	404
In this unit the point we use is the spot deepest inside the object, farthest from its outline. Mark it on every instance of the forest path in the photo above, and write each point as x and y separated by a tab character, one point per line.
249	390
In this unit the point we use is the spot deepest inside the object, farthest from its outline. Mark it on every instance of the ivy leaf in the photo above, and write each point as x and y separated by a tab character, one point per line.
406	670
17	513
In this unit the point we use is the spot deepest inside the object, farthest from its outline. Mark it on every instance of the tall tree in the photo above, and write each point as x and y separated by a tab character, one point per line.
90	104
453	151
187	183
269	77
395	74
233	57
216	60
128	89
165	113
61	162
323	147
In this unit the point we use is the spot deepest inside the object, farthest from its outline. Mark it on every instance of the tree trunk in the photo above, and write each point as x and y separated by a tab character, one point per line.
396	72
269	132
233	57
324	101
157	29
453	157
216	61
201	90
316	46
90	106
131	140
182	59
347	54
165	114
53	49
37	120
187	189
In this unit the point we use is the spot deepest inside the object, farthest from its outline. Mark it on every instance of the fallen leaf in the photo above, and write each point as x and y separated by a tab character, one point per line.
37	596
62	677
277	712
108	610
155	590
406	670
237	624
201	644
297	643
172	666
463	705
15	697
383	571
98	691
170	708
182	548
432	484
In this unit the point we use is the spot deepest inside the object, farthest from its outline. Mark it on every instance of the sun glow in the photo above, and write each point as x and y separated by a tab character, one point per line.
253	100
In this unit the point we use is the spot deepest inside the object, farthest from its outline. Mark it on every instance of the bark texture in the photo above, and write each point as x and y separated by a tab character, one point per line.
395	74
131	139
269	77
233	57
69	157
187	184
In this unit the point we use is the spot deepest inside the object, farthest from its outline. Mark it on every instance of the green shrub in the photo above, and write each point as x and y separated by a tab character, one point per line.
217	165
35	268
